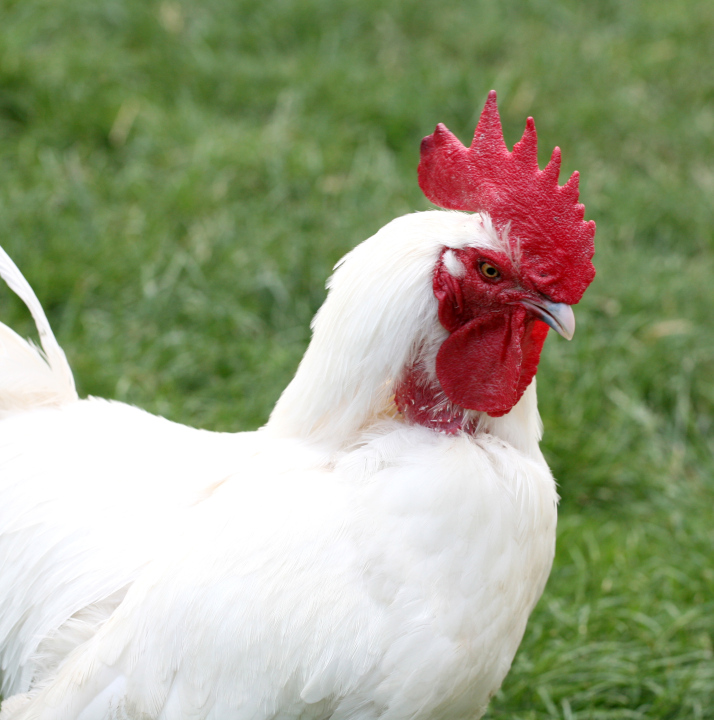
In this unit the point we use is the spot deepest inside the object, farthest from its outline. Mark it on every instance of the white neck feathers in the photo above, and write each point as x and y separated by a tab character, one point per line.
380	311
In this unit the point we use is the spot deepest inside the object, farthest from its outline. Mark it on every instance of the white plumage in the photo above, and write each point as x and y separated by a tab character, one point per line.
340	562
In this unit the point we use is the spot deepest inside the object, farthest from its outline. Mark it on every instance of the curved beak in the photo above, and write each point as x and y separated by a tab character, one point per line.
558	315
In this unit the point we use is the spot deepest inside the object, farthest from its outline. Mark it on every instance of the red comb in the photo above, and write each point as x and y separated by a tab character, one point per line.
544	219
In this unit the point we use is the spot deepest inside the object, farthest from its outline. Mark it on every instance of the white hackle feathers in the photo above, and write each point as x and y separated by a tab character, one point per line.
380	312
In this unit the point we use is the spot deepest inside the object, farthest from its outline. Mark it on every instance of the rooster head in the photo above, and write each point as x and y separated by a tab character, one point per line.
444	314
497	302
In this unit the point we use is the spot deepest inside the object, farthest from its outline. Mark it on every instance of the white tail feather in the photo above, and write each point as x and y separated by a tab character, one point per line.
30	377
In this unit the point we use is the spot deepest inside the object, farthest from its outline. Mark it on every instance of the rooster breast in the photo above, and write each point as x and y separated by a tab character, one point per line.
393	580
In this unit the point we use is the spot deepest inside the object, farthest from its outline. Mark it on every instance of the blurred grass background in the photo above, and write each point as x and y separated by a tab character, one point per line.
178	178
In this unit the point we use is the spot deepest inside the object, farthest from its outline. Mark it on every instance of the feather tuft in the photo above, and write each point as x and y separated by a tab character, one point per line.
31	377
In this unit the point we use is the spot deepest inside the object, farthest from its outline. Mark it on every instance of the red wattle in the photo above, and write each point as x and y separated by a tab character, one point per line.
488	363
531	346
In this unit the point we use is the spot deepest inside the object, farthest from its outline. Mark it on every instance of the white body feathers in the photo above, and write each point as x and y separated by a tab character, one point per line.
337	563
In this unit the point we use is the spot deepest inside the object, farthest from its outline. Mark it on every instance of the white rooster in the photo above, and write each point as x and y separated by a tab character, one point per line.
374	551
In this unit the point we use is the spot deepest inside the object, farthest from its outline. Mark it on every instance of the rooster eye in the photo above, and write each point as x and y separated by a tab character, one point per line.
489	271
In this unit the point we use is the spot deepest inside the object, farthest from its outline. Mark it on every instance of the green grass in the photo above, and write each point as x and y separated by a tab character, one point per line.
177	179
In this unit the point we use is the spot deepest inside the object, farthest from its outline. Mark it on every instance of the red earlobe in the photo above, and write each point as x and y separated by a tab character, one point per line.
447	291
